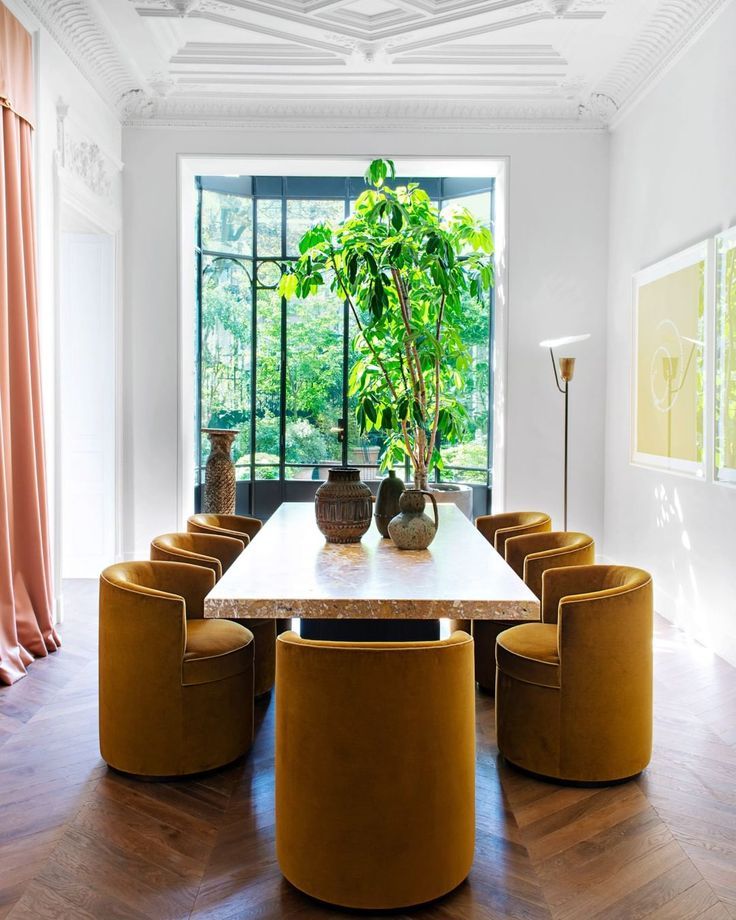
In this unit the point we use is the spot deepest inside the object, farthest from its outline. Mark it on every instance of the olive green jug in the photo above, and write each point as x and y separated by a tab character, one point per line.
387	501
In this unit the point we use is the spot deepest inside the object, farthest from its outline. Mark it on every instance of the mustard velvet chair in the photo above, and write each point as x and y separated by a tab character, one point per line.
532	554
218	553
497	529
574	692
176	691
232	525
375	769
229	525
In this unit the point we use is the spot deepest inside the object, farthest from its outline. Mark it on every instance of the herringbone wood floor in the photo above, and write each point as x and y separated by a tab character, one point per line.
78	841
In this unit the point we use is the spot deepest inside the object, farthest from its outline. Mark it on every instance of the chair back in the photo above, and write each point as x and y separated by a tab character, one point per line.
531	555
214	551
605	617
497	528
383	736
231	525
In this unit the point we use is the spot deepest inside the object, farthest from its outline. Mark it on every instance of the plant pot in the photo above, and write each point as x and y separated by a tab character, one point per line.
454	493
343	506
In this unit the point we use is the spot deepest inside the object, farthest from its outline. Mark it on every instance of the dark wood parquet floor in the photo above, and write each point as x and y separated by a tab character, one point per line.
78	841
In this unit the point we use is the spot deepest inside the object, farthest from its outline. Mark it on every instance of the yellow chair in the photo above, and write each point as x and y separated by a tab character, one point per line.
375	769
574	692
218	553
497	529
231	525
532	554
176	691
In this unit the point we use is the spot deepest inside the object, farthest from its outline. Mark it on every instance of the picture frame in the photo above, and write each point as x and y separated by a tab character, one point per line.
724	377
669	364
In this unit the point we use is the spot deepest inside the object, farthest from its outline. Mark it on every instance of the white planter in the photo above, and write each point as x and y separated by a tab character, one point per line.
455	493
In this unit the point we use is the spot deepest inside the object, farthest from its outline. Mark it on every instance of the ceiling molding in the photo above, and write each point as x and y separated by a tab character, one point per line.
380	116
526	83
80	34
674	28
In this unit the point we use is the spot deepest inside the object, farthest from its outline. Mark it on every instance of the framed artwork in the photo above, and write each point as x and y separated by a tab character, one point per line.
725	365
669	363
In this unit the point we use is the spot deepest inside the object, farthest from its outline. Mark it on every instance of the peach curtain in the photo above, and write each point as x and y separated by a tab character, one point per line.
26	624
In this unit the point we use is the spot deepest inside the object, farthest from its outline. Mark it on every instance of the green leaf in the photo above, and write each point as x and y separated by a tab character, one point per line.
376	173
287	285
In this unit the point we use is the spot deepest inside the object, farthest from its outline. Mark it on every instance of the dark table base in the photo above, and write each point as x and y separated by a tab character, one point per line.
370	630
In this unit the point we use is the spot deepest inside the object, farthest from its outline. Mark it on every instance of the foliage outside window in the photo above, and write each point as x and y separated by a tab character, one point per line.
300	352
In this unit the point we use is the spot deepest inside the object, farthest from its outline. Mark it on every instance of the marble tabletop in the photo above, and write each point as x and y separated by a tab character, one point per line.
289	570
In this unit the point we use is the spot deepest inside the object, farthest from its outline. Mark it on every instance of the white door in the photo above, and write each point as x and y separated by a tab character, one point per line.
87	403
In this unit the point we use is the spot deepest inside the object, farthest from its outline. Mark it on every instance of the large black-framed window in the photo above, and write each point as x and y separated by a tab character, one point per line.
278	370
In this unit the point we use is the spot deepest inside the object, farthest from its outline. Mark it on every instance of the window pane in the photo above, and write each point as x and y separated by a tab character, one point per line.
363	450
269	227
479	206
227	223
314	382
268	383
473	450
301	215
226	352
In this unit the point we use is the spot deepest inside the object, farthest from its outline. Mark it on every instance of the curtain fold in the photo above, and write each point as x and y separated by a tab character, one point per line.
26	621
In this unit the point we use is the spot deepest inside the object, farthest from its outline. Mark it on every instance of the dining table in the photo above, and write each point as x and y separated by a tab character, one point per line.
290	570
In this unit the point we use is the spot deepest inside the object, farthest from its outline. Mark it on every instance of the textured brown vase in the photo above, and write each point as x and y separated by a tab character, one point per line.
343	506
219	473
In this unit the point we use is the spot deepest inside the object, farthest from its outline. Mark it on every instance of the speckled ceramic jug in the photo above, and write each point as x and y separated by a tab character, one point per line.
412	528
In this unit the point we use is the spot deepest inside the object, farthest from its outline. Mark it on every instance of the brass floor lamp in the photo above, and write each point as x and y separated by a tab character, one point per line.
567	370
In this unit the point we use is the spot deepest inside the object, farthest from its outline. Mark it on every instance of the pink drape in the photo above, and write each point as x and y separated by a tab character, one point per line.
26	624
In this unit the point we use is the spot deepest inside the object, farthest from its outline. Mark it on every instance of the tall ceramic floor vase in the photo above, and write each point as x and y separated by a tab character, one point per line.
387	501
219	473
343	506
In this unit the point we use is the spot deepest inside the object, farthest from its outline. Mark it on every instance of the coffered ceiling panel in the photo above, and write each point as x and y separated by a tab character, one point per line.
517	63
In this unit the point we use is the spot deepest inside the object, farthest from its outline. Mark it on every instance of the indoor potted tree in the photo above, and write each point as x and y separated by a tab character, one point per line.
407	273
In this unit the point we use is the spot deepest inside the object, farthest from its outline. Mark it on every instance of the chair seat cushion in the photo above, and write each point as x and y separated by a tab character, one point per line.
529	652
215	650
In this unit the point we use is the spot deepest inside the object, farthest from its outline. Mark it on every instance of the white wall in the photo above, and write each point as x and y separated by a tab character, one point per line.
86	395
673	183
557	284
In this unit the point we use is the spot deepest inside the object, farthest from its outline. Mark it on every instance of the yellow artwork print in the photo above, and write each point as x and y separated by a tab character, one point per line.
669	369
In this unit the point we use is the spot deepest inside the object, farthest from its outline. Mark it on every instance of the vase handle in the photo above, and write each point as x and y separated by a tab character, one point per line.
434	508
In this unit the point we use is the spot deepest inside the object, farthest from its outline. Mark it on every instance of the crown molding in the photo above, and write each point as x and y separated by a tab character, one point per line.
81	36
672	30
388	115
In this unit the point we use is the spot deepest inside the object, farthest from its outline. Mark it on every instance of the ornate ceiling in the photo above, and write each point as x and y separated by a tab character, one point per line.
471	63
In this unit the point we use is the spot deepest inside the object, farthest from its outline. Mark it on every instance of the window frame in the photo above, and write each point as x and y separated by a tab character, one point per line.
310	188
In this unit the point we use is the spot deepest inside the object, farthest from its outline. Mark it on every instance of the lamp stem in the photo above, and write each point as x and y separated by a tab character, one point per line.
567	385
